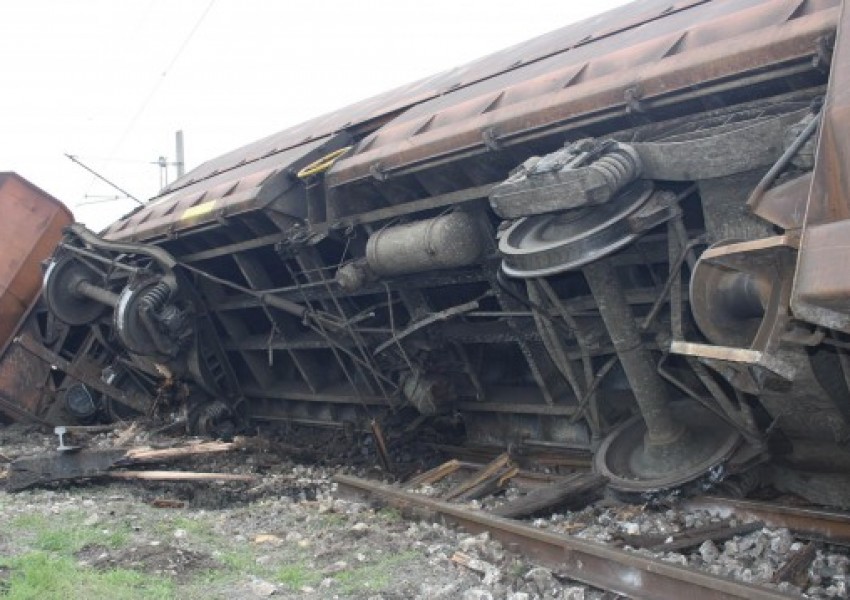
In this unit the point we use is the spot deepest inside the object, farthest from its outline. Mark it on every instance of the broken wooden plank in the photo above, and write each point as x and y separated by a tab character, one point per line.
524	456
180	476
495	483
488	471
82	464
381	447
576	490
146	454
529	480
796	568
436	474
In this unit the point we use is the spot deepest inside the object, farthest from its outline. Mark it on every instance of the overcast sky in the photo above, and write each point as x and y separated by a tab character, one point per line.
111	81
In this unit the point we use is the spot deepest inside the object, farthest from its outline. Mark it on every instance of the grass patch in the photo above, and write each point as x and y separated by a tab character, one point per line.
374	576
243	561
332	520
41	575
389	515
69	534
297	575
194	527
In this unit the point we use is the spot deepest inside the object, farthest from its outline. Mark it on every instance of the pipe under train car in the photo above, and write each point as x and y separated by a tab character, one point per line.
623	236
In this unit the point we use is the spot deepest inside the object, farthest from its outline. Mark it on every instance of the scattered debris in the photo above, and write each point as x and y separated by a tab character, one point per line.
488	570
167	503
576	491
381	447
180	476
83	464
496	473
127	435
796	568
436	474
690	538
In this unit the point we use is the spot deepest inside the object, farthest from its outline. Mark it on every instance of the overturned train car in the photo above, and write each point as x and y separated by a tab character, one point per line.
626	236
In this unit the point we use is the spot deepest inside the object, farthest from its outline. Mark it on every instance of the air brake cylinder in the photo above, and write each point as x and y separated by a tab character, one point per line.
449	241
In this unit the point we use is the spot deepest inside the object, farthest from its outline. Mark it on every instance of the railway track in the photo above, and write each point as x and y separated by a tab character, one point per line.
813	524
594	564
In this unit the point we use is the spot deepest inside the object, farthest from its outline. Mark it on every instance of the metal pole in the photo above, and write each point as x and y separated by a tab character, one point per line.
180	162
649	390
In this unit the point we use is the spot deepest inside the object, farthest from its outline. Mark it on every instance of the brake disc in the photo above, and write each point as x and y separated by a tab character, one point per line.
543	245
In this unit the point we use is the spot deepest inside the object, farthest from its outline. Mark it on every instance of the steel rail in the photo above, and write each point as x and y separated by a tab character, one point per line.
814	524
591	563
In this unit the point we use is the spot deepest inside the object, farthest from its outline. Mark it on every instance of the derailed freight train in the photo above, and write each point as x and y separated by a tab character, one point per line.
627	236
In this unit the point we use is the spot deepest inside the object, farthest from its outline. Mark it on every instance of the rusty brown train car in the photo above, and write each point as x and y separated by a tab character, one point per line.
626	236
31	227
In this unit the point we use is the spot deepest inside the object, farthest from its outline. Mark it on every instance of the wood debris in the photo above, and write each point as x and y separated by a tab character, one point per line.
496	469
83	464
434	475
180	476
127	435
577	490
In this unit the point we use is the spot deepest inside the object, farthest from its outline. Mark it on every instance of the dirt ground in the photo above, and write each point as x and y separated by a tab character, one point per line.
284	536
287	534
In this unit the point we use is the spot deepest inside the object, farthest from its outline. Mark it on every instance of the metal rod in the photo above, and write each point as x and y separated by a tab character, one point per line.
648	389
783	161
97	294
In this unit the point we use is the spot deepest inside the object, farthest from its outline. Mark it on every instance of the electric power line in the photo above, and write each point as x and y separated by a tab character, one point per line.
101	177
162	77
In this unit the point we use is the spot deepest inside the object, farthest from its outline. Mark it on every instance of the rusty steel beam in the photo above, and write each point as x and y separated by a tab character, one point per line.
591	563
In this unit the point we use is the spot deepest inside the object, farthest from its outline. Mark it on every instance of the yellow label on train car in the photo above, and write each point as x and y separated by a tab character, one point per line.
199	210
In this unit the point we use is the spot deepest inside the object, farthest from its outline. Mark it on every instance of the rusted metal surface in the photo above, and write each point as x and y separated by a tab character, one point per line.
247	187
275	290
30	229
24	379
696	47
822	525
383	107
822	284
582	69
31	226
30	345
591	563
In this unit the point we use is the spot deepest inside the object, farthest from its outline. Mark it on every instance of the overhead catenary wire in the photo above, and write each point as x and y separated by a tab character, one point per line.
162	77
102	178
155	88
